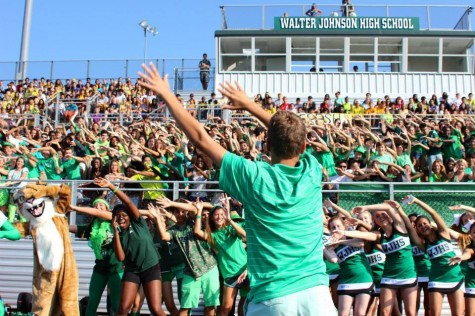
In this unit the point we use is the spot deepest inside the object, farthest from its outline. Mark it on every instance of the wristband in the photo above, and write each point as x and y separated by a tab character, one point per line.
198	216
115	190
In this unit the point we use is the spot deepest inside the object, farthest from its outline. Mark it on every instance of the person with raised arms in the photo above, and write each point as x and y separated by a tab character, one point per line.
282	201
399	272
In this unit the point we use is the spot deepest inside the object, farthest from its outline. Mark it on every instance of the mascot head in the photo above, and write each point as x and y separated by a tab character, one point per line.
35	210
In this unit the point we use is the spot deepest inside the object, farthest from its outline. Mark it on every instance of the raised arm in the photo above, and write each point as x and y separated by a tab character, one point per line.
165	203
104	183
369	236
197	227
329	203
192	128
435	216
240	101
118	250
466	255
461	207
415	239
397	220
92	211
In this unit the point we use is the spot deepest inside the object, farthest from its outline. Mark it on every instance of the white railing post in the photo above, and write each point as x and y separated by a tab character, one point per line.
56	111
74	201
176	190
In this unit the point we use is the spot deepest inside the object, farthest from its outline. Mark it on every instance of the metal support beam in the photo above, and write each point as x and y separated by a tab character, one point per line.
25	40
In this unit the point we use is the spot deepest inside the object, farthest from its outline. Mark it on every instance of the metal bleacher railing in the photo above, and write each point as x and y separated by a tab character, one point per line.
348	194
186	69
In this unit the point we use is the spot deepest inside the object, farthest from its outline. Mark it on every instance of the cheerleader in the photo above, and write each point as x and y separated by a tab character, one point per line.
469	256
399	271
443	277
422	262
356	282
376	259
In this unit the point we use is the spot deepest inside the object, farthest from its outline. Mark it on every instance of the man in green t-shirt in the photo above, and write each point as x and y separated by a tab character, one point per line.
450	146
282	202
71	168
49	163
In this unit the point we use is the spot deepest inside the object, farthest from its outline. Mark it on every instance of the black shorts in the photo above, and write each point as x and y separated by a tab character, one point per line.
144	277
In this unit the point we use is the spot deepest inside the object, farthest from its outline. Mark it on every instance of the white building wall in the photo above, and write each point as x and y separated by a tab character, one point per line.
352	84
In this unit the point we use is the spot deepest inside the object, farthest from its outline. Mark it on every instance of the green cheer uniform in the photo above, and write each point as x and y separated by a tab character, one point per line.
422	263
470	276
399	270
333	268
376	260
443	277
355	274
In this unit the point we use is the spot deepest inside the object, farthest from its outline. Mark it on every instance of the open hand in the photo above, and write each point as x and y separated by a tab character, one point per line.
102	182
153	81
237	96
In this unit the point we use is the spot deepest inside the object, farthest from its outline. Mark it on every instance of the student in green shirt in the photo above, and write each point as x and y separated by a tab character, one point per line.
201	273
225	237
282	201
134	246
70	165
49	164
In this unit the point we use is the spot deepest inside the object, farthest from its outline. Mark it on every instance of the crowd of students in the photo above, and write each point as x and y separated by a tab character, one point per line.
198	241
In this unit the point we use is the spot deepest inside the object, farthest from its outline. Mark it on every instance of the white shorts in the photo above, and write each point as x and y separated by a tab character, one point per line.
315	301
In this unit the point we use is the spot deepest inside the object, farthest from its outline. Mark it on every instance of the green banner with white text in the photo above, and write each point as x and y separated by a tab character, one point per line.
347	23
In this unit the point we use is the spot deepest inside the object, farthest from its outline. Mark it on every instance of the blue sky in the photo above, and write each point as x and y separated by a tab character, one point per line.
106	29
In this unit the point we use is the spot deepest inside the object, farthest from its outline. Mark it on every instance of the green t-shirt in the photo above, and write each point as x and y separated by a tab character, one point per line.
433	149
231	255
283	211
138	246
451	150
48	166
327	161
198	255
435	178
33	172
71	169
178	162
405	159
384	158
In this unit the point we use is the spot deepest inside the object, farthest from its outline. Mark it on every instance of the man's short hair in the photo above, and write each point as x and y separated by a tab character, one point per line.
287	134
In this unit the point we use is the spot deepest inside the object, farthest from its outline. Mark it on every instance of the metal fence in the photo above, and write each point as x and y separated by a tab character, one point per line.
348	194
431	17
96	69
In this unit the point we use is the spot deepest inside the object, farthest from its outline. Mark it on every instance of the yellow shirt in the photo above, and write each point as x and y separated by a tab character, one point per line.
271	110
357	110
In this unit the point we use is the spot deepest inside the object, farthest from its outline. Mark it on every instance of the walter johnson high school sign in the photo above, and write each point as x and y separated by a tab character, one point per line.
345	23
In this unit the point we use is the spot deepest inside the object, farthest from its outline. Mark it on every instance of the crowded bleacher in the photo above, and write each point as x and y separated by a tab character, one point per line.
421	139
118	131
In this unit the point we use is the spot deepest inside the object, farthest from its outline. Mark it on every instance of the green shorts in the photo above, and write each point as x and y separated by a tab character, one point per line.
191	288
175	271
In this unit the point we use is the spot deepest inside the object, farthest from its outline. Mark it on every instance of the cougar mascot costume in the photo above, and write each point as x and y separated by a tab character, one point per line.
55	276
